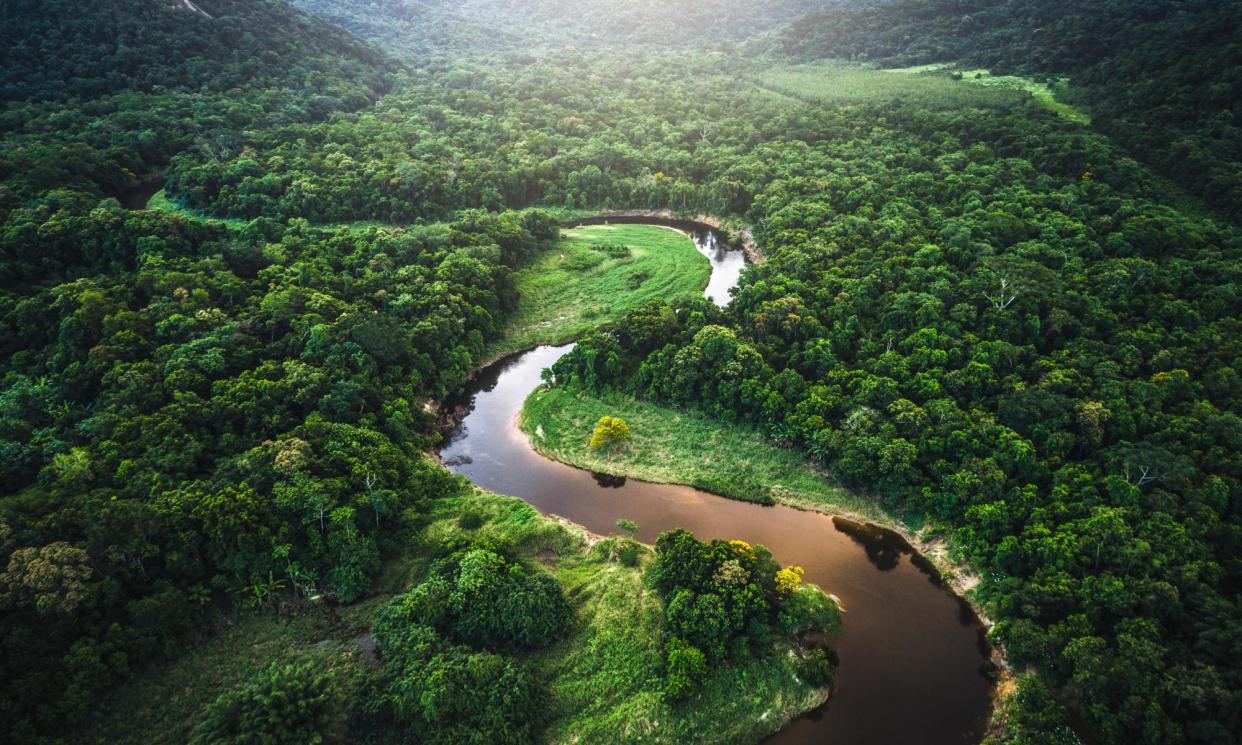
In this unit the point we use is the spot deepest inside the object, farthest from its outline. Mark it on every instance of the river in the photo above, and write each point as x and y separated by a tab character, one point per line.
913	662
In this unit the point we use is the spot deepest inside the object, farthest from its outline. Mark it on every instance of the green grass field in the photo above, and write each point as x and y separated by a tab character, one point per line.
840	83
1043	93
667	446
573	287
603	679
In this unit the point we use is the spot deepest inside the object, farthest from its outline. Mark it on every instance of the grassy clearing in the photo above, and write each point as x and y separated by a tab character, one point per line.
603	679
840	83
574	287
1043	93
674	447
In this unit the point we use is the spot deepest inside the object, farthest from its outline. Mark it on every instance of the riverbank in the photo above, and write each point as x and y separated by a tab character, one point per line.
673	447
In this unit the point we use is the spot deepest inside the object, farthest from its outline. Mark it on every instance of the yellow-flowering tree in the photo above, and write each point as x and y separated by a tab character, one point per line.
610	432
789	579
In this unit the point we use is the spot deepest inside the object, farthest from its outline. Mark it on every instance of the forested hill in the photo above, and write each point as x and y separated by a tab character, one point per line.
62	49
98	97
414	27
1164	77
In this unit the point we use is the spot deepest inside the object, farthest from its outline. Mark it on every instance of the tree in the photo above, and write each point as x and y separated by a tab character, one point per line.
686	667
290	703
789	579
610	432
52	579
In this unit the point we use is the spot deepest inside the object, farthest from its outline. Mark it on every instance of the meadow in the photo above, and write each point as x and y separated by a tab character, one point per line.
576	286
668	446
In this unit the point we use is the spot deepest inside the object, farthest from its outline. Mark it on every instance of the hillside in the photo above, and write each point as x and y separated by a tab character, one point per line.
1164	78
415	29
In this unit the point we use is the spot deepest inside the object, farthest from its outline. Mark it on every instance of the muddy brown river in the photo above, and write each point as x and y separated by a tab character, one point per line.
914	666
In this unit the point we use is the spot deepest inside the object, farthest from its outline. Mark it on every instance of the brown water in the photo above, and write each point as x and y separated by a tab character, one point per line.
913	663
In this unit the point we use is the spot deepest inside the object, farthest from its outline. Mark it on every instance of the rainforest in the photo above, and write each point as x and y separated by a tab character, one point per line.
857	372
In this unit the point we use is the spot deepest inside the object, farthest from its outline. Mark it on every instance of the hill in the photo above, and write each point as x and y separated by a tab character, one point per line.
1164	78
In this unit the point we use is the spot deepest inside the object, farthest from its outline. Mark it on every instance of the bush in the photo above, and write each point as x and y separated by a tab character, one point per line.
290	703
815	668
743	490
437	693
807	610
610	431
612	250
629	552
470	520
483	599
686	666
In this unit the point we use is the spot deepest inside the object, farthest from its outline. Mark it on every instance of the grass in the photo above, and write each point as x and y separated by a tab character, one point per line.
1043	93
573	287
840	83
668	446
603	679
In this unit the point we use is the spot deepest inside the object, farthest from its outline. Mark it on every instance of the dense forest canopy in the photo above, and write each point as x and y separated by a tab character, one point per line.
1164	78
996	320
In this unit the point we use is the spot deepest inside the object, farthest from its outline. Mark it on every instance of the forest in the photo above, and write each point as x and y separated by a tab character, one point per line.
1009	328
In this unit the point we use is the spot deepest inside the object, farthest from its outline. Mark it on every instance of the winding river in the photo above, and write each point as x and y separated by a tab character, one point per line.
913	662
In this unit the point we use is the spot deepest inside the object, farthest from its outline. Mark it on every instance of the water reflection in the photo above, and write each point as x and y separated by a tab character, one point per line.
608	481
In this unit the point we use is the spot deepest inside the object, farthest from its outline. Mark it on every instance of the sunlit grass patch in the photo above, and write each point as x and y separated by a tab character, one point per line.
684	448
840	83
1043	93
581	282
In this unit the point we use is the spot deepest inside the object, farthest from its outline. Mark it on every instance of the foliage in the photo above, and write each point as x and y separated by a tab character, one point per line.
789	579
721	599
686	667
290	703
480	598
1120	56
438	692
815	668
610	432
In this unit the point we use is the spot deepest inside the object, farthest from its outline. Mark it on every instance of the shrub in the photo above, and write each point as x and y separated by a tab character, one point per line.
612	250
686	666
815	668
470	520
290	703
438	693
629	552
609	432
789	579
743	490
807	610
